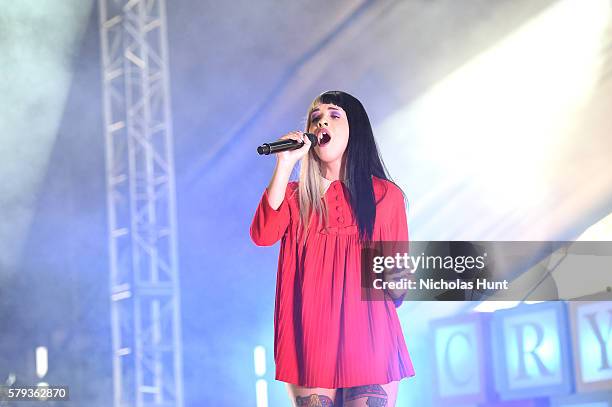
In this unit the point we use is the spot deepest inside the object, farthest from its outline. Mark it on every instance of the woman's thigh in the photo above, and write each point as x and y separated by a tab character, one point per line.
372	395
311	396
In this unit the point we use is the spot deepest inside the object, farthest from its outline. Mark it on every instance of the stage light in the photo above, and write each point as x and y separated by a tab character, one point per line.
261	386
259	356
38	42
482	146
261	389
42	361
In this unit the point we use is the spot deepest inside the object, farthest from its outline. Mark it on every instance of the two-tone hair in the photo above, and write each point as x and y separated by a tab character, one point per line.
361	161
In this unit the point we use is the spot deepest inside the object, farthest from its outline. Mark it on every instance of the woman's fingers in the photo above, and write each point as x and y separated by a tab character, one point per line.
294	135
292	156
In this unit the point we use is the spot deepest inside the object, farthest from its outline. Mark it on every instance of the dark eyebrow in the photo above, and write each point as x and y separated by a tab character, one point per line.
316	109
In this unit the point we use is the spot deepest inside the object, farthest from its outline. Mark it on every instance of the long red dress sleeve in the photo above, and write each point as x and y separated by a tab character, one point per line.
269	225
394	227
325	334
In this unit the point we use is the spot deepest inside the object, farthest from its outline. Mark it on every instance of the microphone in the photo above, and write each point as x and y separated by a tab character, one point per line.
284	145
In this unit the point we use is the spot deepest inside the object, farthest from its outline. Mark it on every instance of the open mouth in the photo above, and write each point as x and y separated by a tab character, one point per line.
324	138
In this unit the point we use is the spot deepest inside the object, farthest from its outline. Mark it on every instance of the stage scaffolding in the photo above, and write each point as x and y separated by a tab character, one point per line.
145	301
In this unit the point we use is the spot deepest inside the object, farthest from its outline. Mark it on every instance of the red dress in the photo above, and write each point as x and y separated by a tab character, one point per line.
324	334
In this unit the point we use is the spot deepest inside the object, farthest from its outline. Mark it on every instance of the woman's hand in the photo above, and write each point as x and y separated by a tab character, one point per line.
396	276
291	157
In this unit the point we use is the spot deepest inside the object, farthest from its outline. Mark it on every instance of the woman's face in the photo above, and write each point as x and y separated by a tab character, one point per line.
330	124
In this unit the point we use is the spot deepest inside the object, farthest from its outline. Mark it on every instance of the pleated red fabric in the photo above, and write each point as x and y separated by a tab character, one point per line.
325	335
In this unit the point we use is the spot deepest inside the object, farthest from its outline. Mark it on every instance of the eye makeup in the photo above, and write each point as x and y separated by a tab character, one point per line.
333	113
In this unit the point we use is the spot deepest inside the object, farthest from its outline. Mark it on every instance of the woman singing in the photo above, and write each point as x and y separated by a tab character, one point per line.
326	336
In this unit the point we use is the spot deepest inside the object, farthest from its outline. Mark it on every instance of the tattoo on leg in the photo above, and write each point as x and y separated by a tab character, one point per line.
314	400
376	402
376	395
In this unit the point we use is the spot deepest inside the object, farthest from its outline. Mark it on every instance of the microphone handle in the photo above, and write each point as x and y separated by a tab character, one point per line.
278	146
284	145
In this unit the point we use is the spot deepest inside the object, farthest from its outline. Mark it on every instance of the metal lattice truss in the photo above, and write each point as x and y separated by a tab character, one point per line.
145	313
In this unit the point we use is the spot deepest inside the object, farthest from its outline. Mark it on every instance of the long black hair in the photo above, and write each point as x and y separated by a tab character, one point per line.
362	160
